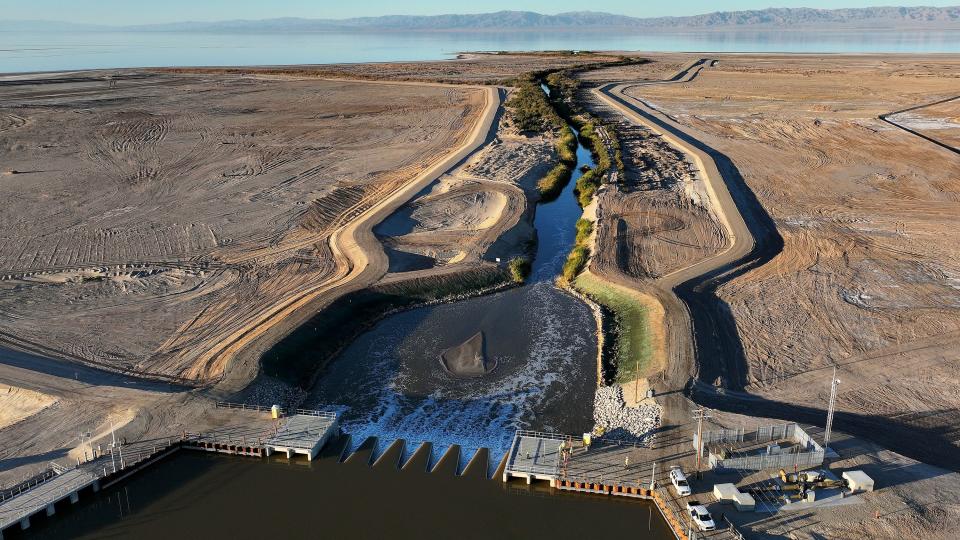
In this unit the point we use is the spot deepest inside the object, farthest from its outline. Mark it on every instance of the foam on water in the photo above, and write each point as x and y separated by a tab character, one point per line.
385	390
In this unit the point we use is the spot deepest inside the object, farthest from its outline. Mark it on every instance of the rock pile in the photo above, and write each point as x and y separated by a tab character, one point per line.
617	421
267	391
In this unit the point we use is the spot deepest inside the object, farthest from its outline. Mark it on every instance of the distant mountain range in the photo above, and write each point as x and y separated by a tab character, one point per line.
771	18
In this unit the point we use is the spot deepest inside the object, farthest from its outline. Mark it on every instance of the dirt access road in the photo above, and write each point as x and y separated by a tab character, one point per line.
679	289
161	219
360	257
821	112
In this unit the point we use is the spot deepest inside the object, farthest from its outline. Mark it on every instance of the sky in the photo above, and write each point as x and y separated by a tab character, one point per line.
143	12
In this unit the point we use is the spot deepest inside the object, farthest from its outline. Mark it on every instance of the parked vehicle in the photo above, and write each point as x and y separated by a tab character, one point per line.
700	516
679	481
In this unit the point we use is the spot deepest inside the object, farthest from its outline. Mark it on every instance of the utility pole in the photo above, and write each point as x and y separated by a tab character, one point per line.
636	383
834	382
699	415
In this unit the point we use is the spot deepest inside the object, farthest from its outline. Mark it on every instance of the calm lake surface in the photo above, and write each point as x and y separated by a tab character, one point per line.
32	51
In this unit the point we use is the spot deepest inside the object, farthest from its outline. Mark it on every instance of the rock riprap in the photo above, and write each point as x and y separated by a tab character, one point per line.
616	420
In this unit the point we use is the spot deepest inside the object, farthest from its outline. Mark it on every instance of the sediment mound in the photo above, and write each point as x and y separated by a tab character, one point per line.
468	359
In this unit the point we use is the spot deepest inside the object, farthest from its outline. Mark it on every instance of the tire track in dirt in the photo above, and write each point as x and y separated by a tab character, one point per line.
713	346
360	257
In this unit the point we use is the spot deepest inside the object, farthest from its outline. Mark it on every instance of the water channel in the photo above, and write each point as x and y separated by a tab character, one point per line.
390	383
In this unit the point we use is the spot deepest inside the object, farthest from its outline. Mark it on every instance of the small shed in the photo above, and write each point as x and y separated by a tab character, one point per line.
744	502
728	493
725	493
858	480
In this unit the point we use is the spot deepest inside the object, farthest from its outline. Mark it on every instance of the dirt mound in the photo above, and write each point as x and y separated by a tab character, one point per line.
468	360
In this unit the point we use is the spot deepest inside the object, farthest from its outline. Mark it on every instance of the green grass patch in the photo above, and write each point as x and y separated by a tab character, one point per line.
519	269
632	347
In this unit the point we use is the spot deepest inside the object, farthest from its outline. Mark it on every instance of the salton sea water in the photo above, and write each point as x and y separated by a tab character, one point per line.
49	51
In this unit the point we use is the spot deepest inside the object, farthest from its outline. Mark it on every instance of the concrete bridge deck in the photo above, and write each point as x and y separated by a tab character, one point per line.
44	497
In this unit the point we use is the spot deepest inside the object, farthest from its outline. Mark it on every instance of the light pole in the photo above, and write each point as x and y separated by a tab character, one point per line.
699	415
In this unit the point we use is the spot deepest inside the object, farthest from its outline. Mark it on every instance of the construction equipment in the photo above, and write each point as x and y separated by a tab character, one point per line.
809	480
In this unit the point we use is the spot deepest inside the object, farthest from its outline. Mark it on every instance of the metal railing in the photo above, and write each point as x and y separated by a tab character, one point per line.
283	410
594	440
31	501
544	435
243	407
30	483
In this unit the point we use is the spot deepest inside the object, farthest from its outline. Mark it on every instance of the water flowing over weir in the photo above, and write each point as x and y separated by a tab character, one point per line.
390	383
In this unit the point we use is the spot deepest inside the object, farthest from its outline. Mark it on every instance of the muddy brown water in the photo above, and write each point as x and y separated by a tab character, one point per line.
196	495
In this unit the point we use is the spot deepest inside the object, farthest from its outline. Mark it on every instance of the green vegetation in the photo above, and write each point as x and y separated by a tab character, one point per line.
584	229
564	87
519	269
631	342
577	259
551	185
567	146
531	111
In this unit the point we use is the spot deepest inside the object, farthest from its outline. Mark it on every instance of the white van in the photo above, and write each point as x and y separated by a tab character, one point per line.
679	481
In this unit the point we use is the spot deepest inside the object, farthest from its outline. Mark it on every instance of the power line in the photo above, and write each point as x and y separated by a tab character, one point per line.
834	382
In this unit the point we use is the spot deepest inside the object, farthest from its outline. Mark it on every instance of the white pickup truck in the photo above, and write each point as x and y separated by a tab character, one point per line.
700	516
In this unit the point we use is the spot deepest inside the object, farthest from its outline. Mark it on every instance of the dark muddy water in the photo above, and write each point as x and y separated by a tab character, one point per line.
391	384
194	495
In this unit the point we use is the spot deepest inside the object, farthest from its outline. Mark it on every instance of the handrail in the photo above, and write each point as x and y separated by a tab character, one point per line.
283	410
565	437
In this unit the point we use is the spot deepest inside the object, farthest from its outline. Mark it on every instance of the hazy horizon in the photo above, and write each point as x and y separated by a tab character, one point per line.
120	13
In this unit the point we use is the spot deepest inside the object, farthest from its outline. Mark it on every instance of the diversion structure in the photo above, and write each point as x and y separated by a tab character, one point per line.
304	436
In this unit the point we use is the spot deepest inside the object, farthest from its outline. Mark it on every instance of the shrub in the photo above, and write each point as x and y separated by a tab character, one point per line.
587	185
578	256
551	185
575	262
519	269
584	228
567	146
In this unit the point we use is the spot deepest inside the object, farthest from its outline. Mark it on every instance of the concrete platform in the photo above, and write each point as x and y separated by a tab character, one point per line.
534	456
302	434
